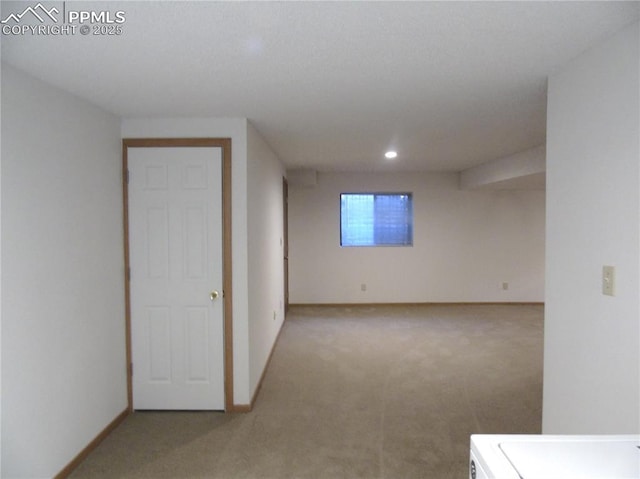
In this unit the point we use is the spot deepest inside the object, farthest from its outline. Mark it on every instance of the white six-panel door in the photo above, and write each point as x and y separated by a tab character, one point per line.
176	262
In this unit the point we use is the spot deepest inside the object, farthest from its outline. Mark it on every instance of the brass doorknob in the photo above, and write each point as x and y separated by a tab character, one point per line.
214	294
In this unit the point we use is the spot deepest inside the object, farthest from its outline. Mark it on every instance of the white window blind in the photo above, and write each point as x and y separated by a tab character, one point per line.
376	219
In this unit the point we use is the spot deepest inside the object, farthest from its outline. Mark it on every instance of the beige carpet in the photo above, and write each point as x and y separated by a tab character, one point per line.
360	392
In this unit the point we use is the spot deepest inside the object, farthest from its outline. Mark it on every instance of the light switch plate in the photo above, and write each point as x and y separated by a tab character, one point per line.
608	280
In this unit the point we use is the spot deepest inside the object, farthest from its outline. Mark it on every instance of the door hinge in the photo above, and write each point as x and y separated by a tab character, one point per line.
129	273
131	369
126	176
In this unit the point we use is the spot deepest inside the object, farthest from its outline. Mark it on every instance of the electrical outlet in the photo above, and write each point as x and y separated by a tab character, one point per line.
505	286
363	287
608	280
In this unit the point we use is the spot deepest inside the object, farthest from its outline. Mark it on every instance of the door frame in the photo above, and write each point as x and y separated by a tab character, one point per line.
285	246
225	145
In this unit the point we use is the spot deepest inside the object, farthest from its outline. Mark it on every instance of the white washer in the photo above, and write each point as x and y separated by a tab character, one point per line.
495	456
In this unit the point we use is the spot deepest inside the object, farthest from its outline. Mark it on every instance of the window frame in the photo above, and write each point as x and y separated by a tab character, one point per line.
374	194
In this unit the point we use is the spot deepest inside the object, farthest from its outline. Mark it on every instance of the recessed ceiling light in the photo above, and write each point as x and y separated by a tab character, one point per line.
390	155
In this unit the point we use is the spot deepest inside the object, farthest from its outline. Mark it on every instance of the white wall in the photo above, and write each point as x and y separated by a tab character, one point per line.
265	240
0	285
466	244
63	350
592	342
504	171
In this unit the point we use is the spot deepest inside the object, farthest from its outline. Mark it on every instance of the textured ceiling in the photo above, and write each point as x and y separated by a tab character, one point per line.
332	85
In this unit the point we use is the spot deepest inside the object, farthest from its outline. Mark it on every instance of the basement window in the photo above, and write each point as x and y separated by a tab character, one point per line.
376	219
